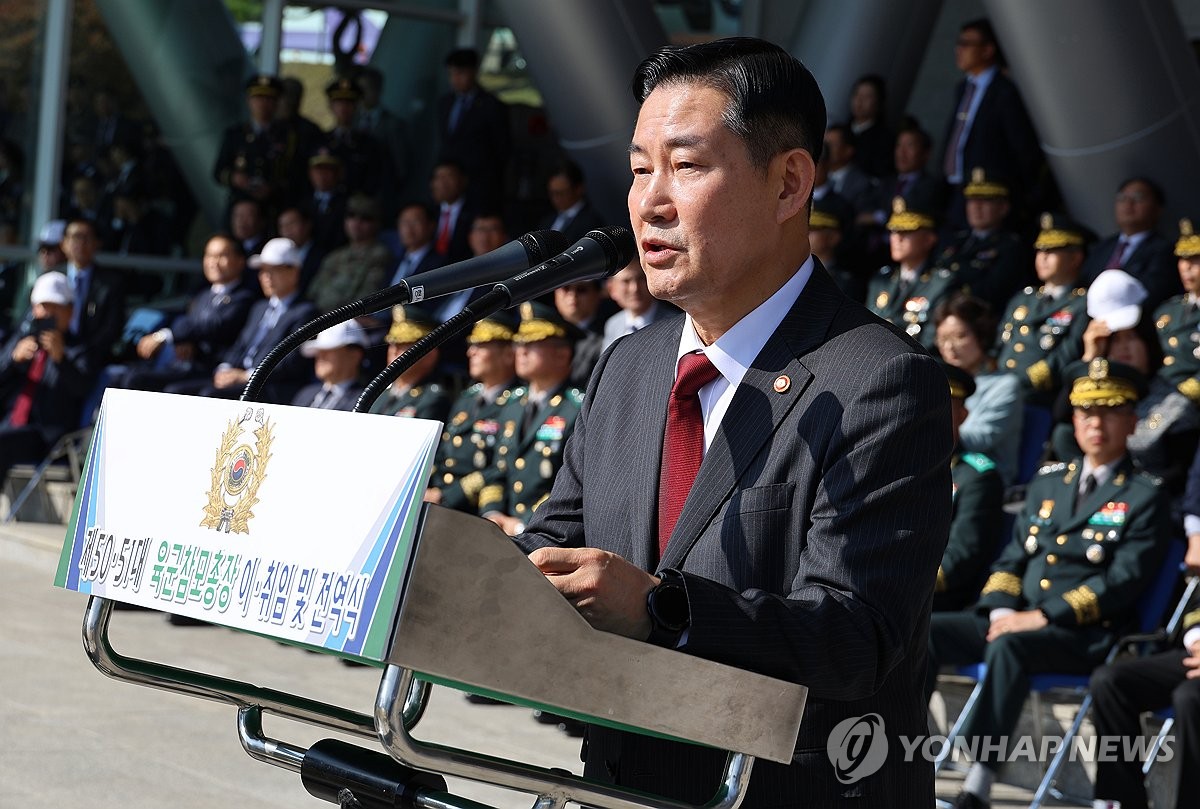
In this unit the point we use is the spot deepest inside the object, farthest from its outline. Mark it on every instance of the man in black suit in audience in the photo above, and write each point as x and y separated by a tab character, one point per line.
270	320
573	214
98	314
337	354
988	126
1137	247
473	130
194	342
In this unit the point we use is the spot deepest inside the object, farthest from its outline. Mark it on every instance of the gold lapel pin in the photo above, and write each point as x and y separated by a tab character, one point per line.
782	383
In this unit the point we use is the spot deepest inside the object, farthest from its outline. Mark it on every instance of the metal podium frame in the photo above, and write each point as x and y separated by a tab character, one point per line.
464	566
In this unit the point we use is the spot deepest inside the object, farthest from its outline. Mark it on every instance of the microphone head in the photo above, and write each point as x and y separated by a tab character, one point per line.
543	245
619	245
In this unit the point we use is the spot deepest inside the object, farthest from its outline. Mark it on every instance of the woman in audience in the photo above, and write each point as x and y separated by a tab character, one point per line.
965	331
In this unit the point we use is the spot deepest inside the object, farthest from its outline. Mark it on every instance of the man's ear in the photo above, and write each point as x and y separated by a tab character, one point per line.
796	171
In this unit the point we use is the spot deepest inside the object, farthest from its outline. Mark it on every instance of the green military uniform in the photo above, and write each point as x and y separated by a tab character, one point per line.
1082	559
426	399
976	519
825	215
1178	324
529	451
910	305
1041	335
469	441
989	266
349	272
263	156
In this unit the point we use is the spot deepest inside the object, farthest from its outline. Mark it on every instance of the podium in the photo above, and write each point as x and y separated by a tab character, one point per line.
242	532
476	615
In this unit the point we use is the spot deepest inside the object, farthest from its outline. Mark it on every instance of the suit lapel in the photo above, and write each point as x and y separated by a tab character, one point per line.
757	409
648	431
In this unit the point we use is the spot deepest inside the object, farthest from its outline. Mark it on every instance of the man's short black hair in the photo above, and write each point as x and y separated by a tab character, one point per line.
90	224
231	240
910	126
774	101
983	27
430	211
1156	190
571	170
463	57
846	134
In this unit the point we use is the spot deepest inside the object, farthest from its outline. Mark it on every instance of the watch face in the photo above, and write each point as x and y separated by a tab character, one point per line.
669	607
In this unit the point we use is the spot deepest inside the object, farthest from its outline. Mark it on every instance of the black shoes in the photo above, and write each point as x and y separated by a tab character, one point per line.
969	800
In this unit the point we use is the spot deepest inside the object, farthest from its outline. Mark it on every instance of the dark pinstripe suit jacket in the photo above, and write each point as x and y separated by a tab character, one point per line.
809	544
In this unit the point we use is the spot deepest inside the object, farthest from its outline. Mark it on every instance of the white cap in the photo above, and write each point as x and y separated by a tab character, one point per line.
1116	298
52	287
277	252
336	336
52	232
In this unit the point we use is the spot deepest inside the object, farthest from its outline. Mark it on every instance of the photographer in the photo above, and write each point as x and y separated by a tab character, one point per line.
44	375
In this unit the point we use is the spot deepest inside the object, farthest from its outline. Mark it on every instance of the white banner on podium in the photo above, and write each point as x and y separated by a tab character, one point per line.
287	521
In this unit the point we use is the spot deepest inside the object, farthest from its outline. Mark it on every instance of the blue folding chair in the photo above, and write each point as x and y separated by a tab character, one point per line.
1036	424
1151	607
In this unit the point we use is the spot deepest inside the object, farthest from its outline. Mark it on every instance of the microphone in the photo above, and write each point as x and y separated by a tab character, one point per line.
513	257
488	268
599	254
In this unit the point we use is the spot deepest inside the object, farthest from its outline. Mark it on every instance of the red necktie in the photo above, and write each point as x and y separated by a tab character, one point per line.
19	416
443	237
683	442
1117	259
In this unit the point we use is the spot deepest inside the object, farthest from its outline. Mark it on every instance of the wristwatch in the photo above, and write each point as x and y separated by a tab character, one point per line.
670	613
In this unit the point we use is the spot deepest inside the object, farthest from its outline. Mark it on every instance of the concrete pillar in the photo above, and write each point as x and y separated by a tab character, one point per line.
190	66
582	54
1113	89
840	40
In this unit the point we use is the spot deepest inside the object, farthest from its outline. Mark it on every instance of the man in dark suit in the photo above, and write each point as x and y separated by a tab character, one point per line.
1090	538
270	320
473	130
573	214
337	354
628	289
198	338
988	127
448	186
45	372
1137	247
817	436
98	314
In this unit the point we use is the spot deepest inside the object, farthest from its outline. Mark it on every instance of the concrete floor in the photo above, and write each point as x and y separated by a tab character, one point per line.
70	737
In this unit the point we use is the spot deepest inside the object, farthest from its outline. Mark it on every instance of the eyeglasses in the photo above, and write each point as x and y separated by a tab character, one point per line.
969	43
1135	197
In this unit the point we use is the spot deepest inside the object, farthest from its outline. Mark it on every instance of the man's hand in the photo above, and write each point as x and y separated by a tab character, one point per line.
433	495
54	345
25	349
1192	558
149	345
606	590
185	352
1192	661
1026	621
510	525
228	377
1095	339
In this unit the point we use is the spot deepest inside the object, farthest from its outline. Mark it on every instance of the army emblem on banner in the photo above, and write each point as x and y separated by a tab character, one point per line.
239	469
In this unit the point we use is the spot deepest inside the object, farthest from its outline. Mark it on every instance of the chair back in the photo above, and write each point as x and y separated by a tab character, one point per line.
1152	606
1035	431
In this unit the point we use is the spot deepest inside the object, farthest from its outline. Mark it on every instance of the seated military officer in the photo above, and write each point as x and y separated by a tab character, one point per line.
989	259
414	394
825	233
535	425
1091	536
976	521
906	291
469	440
1042	332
